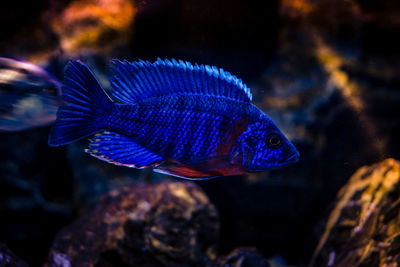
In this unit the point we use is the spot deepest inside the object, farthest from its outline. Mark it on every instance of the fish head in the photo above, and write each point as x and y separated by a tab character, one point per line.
264	147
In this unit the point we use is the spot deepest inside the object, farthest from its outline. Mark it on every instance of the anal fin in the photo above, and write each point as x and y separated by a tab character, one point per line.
121	150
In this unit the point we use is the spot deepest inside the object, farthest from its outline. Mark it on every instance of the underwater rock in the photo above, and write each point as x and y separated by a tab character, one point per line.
63	29
166	224
8	259
242	257
363	227
98	25
333	72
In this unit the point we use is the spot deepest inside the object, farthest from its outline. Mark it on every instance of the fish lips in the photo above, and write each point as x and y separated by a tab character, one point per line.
294	158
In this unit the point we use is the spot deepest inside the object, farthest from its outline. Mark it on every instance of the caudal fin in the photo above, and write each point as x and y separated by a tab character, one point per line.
86	107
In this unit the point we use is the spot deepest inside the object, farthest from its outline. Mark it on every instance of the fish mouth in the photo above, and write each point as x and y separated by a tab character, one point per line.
293	158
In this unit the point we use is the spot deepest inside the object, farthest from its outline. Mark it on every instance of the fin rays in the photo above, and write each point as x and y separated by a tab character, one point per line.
121	150
135	81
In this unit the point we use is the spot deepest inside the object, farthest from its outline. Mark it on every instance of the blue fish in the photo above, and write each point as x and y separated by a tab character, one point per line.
29	96
189	121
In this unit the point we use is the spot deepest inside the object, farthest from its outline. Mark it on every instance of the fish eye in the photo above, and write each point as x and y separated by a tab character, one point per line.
274	141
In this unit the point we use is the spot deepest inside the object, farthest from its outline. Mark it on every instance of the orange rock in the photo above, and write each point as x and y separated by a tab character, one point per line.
94	24
363	227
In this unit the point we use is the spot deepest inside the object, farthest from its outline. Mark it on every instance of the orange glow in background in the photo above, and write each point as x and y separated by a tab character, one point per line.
94	24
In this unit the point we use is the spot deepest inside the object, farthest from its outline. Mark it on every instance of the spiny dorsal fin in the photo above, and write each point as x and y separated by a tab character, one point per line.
135	81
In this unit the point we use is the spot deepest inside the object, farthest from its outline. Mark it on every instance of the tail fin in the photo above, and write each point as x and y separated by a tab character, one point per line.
86	107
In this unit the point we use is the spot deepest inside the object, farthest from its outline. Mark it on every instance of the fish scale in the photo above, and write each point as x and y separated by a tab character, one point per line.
190	121
195	126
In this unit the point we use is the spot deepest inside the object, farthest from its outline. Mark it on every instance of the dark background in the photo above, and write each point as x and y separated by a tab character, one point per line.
275	47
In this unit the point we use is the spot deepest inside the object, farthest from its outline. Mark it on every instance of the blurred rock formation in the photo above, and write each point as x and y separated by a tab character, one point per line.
9	259
63	29
363	227
166	224
242	257
98	25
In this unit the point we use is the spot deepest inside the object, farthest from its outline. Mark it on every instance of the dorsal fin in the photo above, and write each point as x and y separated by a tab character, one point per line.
135	81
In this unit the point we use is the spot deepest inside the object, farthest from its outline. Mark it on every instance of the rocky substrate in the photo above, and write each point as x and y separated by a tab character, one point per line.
173	223
363	228
9	259
166	224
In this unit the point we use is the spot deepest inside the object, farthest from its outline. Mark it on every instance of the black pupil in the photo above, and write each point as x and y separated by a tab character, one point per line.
274	141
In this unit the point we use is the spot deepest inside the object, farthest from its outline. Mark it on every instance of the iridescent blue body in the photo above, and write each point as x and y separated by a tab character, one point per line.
185	128
193	122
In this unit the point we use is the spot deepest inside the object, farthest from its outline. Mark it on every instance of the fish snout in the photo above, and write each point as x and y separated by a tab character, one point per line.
293	158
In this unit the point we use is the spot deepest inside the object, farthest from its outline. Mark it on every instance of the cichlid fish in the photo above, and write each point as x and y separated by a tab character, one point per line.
29	96
189	121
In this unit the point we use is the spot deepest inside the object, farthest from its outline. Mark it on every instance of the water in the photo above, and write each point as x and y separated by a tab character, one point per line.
327	76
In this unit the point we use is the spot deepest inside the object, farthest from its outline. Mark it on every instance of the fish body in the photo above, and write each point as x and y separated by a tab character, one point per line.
193	122
184	128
